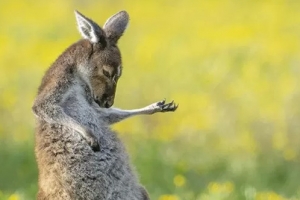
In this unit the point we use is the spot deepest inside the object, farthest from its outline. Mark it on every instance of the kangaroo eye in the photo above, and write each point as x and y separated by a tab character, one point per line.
106	73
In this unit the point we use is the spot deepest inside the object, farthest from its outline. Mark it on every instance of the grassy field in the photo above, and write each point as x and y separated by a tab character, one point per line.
232	65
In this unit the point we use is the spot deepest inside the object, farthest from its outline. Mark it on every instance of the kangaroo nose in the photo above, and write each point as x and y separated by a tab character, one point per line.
109	102
107	105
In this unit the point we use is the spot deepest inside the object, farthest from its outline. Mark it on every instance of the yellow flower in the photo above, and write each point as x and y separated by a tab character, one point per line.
214	187
169	197
14	197
289	154
179	180
268	196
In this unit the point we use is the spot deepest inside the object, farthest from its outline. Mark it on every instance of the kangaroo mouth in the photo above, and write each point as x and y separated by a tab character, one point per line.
103	104
98	102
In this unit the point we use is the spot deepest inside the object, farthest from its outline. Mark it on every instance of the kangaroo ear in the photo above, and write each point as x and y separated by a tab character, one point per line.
115	26
89	29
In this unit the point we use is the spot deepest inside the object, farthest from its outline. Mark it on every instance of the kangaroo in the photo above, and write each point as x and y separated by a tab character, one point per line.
78	156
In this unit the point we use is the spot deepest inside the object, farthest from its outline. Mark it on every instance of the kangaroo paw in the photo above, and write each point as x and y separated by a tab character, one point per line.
92	141
166	107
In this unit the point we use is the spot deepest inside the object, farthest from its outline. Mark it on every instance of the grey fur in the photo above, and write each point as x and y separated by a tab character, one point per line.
78	155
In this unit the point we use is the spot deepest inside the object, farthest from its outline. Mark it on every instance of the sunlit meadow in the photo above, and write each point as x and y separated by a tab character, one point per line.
232	65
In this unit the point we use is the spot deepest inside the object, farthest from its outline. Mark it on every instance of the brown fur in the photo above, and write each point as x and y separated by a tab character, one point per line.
79	157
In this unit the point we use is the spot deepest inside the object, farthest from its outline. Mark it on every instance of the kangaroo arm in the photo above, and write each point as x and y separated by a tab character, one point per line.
114	115
51	112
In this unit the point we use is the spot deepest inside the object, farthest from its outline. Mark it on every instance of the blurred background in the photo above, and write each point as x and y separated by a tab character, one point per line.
232	65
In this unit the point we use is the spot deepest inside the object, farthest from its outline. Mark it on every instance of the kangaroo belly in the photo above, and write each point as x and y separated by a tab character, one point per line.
69	169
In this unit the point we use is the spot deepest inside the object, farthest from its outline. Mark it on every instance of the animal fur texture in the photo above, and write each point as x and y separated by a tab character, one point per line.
78	155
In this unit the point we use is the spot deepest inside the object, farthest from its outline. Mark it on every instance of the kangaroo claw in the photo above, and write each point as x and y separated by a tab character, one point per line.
167	107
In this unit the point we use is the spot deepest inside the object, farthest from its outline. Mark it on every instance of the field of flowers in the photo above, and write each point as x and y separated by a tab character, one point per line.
232	65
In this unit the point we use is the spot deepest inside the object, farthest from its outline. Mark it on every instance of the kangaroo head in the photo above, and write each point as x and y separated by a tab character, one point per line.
103	67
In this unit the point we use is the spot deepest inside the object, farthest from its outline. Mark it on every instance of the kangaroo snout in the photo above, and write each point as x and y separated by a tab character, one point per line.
106	101
109	103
